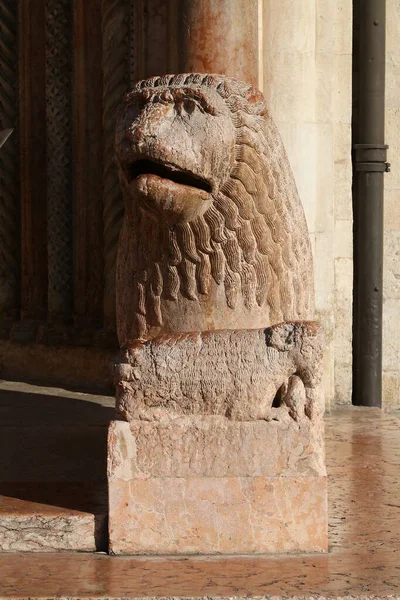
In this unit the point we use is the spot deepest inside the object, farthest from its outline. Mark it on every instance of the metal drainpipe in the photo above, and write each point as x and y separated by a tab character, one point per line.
369	166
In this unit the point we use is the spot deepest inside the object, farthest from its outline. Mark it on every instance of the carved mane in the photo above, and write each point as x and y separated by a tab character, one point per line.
252	242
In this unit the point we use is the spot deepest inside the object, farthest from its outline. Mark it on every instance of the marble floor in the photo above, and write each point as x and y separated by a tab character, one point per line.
363	457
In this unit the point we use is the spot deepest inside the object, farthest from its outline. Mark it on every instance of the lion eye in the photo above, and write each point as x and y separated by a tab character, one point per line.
188	105
166	96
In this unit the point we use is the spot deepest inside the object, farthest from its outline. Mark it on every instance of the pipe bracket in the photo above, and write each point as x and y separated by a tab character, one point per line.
365	153
372	167
371	158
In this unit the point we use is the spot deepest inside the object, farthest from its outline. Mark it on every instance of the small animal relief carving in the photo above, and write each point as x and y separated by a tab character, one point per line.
214	235
271	374
214	273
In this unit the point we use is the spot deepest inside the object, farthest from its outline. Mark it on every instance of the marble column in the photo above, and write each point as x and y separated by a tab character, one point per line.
206	36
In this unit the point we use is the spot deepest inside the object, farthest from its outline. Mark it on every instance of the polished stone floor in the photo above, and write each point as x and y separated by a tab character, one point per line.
363	457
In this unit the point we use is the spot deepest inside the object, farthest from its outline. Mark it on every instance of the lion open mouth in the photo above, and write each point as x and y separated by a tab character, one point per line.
149	167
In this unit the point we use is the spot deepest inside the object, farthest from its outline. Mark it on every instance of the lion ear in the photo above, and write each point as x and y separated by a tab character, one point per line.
256	100
242	95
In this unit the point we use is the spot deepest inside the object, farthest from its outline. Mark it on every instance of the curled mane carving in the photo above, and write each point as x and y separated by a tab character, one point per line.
241	261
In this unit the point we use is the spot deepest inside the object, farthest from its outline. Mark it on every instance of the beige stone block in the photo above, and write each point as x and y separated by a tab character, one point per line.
218	515
324	64
343	27
343	281
342	144
343	247
289	84
343	310
312	242
392	207
390	389
391	265
392	27
343	335
391	334
327	320
392	80
324	269
325	35
343	173
392	133
215	447
392	125
328	379
325	178
342	97
343	202
343	382
284	25
300	141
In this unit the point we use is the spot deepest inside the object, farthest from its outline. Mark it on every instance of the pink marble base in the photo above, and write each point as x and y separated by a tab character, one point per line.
227	515
273	500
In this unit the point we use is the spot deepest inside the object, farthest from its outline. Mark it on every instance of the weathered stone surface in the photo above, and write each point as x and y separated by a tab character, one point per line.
238	374
214	234
219	378
47	533
213	515
213	446
214	242
182	486
34	518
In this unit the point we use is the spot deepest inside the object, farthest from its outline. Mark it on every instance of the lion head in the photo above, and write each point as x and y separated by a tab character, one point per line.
214	234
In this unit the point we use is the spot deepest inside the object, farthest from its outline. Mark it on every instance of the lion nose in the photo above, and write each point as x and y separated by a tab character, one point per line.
152	123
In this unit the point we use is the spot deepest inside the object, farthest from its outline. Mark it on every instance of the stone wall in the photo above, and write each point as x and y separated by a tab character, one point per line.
391	289
306	77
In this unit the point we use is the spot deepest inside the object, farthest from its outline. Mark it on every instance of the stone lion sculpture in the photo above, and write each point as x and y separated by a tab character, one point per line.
214	241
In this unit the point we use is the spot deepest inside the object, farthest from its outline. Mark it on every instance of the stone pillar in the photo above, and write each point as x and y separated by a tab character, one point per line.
115	84
218	36
218	446
205	36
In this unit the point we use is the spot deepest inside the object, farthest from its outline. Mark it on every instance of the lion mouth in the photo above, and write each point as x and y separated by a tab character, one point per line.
148	168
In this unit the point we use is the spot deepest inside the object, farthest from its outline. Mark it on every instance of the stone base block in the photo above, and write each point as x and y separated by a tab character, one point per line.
213	486
34	518
218	515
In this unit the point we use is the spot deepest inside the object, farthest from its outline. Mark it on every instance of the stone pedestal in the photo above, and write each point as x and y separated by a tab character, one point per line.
219	447
215	486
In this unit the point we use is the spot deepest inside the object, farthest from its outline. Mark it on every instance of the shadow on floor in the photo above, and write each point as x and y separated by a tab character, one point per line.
53	447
